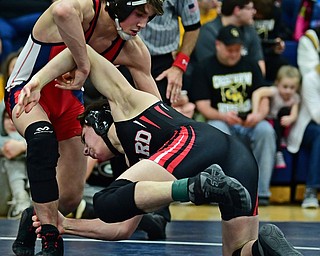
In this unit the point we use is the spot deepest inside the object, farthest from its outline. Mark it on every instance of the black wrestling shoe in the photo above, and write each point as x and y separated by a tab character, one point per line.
52	242
154	225
213	186
271	242
26	238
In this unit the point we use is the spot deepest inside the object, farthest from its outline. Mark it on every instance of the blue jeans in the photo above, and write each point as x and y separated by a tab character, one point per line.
262	140
311	143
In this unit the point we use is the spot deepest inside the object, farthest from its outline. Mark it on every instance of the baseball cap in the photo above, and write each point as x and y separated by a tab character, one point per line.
230	35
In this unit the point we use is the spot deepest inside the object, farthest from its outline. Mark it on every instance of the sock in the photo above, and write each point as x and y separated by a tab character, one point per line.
180	190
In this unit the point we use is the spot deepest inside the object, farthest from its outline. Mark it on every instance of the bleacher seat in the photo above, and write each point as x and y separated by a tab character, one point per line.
290	52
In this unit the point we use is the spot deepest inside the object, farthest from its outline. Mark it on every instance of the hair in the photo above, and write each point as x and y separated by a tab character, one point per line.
97	105
157	6
264	8
228	6
288	71
5	65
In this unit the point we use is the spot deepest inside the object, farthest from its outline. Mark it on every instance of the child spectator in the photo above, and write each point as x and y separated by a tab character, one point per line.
284	101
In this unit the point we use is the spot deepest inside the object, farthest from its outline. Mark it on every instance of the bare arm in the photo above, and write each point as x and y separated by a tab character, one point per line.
124	100
259	94
136	57
98	229
174	74
290	119
66	20
205	108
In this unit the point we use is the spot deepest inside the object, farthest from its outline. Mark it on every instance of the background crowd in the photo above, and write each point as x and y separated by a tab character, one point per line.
218	83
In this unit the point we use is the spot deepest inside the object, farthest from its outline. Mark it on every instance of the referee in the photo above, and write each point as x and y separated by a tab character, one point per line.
169	61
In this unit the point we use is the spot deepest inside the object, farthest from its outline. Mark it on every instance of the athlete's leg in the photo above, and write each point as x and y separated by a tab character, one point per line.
147	186
71	174
239	232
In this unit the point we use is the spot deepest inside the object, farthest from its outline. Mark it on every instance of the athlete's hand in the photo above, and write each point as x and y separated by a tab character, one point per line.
37	224
174	77
28	97
72	80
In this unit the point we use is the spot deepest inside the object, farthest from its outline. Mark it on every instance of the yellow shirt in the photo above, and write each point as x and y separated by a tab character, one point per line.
204	18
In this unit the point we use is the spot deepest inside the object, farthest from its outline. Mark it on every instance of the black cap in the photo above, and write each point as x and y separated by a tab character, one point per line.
230	35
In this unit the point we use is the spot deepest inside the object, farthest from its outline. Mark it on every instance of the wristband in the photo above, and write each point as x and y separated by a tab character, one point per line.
181	61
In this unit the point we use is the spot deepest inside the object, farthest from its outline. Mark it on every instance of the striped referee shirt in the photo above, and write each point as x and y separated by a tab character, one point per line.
162	35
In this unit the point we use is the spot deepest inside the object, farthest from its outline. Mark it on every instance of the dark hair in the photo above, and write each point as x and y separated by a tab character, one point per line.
264	8
228	6
5	65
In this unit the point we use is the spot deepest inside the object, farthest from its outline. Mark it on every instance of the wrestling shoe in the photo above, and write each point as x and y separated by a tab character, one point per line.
271	242
26	238
52	242
154	225
213	186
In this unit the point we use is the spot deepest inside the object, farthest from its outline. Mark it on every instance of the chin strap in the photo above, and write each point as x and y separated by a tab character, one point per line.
121	33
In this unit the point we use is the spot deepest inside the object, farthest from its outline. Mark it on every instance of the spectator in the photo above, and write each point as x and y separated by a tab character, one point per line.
308	51
12	162
305	134
6	70
267	22
284	105
233	12
16	21
209	9
289	13
222	92
12	153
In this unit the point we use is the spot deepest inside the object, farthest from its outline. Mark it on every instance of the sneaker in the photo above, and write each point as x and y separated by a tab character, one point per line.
18	205
213	186
272	242
280	162
263	201
310	200
154	225
52	242
26	238
84	210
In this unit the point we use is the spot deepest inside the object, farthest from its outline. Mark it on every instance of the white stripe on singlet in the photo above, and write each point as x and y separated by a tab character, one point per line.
24	65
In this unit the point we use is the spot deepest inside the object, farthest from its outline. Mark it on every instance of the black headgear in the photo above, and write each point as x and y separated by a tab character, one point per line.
121	9
100	120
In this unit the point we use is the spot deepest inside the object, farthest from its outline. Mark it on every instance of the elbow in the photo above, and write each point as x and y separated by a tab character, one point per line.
61	11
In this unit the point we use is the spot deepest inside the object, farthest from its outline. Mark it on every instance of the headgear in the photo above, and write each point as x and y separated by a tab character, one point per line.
99	120
119	10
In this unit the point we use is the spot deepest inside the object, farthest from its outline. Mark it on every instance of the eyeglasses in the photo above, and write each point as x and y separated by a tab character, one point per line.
249	7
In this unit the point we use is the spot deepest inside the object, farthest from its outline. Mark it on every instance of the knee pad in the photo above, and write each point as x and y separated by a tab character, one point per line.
116	202
42	159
